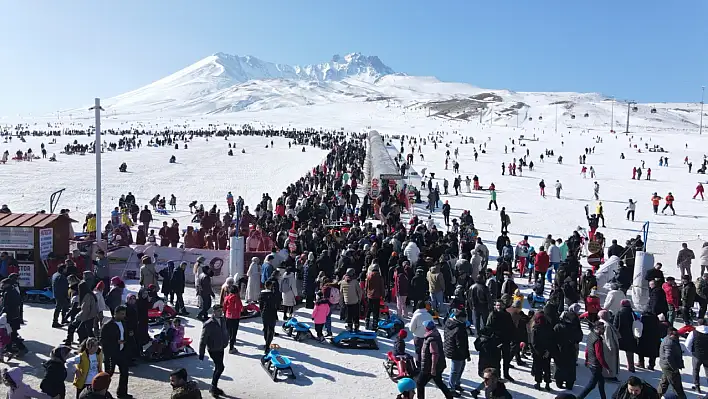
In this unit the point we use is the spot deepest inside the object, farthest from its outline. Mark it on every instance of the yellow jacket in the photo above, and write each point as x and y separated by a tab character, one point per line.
91	224
82	368
125	219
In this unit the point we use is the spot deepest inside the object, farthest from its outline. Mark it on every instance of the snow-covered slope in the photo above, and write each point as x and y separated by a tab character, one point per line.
223	84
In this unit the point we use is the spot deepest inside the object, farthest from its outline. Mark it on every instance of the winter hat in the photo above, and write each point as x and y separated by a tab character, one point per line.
351	272
311	257
575	308
101	381
100	286
116	280
429	325
403	334
625	303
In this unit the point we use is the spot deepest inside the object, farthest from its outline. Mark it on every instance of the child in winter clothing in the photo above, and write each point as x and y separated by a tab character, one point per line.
53	381
88	363
17	389
319	314
404	360
5	337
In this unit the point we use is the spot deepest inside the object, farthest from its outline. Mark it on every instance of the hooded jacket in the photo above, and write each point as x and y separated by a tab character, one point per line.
436	281
417	323
374	285
456	344
22	390
148	275
350	290
55	372
419	286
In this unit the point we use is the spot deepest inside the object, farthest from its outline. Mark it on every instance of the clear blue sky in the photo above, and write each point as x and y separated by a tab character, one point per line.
61	54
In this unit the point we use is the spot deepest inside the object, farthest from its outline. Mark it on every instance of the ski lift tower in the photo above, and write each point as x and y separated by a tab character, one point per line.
629	106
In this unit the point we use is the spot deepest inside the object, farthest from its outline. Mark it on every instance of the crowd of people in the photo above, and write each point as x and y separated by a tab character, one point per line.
376	257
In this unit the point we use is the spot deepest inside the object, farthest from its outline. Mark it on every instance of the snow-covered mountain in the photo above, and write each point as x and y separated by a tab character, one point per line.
222	84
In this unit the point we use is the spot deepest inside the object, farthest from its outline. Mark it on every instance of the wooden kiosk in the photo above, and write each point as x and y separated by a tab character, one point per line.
30	238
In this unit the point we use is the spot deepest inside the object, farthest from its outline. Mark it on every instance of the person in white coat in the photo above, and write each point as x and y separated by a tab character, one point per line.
412	252
253	287
613	301
704	258
554	257
288	290
417	327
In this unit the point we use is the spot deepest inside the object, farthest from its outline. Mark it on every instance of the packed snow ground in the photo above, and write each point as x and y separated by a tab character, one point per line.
204	172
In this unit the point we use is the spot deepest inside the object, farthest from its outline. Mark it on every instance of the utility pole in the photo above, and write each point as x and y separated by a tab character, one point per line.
612	120
97	148
629	105
700	129
556	117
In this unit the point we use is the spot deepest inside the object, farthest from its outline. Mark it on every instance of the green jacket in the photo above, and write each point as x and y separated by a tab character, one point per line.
493	193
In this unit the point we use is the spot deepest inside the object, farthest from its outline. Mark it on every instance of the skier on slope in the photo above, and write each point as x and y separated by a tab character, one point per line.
559	187
669	203
655	200
542	186
699	191
596	191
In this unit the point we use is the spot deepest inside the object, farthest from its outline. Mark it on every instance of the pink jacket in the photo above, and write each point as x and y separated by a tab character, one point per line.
319	315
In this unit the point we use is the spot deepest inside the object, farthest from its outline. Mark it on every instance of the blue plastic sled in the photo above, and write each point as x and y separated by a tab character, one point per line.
162	211
536	300
274	363
356	340
390	327
40	296
301	330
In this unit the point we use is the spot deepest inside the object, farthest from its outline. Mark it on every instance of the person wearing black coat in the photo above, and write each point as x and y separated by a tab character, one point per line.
456	347
60	288
655	274
568	335
177	283
55	372
652	333
480	302
268	302
623	322
142	335
166	274
115	350
131	326
215	337
500	323
615	250
418	287
489	347
326	264
310	279
657	299
12	305
543	345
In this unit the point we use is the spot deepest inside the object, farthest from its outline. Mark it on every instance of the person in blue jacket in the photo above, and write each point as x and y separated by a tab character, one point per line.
267	268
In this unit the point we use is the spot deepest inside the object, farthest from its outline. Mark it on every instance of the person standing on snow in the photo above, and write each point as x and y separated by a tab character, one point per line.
669	204
559	187
542	186
493	199
683	261
699	191
599	211
596	191
446	213
468	181
631	207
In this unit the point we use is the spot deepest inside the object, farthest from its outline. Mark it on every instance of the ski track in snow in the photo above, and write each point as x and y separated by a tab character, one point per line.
204	172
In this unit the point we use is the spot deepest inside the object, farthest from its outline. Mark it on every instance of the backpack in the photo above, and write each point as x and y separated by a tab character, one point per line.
637	327
334	296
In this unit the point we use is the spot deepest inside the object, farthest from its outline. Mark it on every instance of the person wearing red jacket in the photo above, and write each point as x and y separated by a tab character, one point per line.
699	191
592	306
232	310
541	264
673	297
